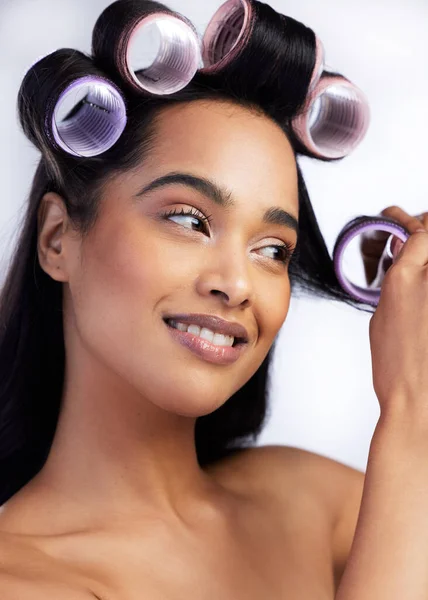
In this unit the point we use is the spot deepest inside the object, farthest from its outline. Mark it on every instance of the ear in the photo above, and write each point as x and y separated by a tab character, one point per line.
52	226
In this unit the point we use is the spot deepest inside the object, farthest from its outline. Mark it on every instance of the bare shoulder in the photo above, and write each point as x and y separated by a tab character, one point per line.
286	470
26	575
279	466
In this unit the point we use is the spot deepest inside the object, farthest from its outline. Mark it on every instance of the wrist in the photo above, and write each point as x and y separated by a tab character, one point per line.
402	428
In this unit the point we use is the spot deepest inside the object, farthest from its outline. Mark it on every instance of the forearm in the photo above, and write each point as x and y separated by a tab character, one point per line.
389	555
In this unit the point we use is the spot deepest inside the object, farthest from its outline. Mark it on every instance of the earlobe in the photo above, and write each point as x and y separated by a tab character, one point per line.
51	226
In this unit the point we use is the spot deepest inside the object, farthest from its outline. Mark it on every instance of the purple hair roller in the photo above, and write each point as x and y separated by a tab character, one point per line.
83	115
369	295
98	122
335	118
115	40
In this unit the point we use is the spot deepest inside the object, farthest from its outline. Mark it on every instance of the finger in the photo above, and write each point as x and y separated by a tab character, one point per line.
423	218
396	248
414	251
410	222
396	245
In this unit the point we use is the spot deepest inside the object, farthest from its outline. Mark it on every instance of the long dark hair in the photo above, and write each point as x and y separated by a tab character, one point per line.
32	353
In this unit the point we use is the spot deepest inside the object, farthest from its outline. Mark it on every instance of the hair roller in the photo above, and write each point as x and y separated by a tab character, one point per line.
247	29
364	225
74	108
178	57
335	118
226	34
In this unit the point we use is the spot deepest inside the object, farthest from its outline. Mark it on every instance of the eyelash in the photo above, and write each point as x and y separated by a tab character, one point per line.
287	247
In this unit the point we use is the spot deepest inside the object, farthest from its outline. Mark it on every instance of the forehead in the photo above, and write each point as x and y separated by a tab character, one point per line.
248	153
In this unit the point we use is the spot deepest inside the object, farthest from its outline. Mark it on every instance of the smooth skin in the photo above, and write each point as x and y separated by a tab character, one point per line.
121	506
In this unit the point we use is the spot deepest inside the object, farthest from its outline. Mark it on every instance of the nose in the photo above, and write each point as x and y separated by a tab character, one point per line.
228	276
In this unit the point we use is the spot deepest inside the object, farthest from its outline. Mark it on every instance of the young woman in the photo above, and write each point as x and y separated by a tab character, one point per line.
128	466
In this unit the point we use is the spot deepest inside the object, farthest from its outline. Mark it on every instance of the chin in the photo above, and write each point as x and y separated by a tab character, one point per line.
194	406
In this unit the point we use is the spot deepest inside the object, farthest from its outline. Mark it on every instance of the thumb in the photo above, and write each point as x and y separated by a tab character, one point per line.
396	247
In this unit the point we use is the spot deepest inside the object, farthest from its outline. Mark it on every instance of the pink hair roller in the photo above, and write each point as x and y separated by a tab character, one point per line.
178	57
228	32
335	118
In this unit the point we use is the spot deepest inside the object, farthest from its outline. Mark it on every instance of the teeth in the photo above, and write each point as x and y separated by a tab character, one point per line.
206	334
218	339
194	329
223	340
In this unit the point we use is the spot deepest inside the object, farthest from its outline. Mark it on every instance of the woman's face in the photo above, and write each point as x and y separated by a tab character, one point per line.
141	263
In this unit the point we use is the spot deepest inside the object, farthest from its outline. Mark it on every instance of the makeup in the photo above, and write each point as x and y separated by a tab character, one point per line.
220	355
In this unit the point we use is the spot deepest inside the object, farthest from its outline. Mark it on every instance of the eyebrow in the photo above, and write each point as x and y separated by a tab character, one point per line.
220	195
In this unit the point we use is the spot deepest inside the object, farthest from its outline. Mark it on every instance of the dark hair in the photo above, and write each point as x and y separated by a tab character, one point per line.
32	351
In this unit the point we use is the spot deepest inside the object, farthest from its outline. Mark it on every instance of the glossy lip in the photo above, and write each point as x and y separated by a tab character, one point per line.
220	355
215	324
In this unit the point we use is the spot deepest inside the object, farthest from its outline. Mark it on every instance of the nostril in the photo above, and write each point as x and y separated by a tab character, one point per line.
220	293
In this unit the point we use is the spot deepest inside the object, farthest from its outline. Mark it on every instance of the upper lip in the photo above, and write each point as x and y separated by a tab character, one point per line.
215	324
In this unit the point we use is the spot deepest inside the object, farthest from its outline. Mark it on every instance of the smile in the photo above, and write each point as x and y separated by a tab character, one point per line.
218	339
221	349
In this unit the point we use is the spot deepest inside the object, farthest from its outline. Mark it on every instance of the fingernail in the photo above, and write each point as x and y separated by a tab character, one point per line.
421	229
397	247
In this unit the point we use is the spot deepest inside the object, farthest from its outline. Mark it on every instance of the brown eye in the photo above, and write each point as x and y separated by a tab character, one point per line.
285	251
196	216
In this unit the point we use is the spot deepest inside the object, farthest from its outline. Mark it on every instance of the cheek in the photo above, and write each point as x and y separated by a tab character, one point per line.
270	308
133	265
274	308
124	283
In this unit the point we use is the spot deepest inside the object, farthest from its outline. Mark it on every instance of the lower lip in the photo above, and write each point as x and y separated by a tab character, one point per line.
220	355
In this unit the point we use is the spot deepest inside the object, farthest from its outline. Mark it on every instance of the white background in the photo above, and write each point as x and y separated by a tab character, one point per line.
322	395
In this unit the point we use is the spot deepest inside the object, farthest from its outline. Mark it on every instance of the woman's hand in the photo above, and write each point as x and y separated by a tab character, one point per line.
388	557
399	327
373	244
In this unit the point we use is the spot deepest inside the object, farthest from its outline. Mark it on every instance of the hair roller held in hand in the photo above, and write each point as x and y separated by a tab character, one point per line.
358	226
98	113
335	113
178	57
